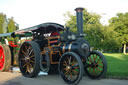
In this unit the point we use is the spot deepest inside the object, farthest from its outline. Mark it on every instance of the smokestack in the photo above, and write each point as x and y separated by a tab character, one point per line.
79	14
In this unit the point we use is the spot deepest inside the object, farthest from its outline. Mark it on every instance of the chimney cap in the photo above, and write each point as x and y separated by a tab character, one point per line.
79	9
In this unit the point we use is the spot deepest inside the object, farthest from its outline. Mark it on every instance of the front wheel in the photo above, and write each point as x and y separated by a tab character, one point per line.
71	68
96	65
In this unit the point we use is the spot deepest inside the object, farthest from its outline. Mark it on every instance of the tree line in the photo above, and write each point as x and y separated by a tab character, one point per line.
106	38
7	24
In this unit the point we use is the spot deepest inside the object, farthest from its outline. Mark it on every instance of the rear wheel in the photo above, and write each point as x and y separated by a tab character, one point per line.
29	59
71	68
96	65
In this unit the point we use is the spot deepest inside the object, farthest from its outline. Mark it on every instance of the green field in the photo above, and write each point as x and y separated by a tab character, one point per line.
117	64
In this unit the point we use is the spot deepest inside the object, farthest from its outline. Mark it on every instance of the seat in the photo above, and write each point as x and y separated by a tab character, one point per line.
54	34
54	38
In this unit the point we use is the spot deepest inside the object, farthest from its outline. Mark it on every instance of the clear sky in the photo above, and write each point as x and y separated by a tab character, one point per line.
33	12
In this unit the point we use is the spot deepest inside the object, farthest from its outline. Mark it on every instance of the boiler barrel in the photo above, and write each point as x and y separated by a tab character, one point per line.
79	47
67	47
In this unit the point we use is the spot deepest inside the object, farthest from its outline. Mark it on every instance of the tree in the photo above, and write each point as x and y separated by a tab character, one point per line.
100	37
7	25
3	23
120	25
110	42
91	24
11	25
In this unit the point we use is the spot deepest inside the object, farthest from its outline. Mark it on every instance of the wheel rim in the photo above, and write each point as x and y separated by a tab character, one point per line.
27	59
2	58
69	69
95	66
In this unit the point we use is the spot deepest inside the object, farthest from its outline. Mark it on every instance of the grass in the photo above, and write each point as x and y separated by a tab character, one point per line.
117	64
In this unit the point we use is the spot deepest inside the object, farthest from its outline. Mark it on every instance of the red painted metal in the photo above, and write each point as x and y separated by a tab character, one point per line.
11	43
55	41
54	34
2	58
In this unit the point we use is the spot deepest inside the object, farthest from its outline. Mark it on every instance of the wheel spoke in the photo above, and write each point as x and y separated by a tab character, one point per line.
100	66
73	62
90	59
75	72
24	53
28	68
95	58
76	67
89	69
71	75
32	61
31	68
66	73
100	63
65	63
25	47
31	51
93	70
69	60
23	59
25	64
31	56
98	60
98	70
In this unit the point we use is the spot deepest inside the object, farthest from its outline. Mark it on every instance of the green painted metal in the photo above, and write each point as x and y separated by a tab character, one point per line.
26	34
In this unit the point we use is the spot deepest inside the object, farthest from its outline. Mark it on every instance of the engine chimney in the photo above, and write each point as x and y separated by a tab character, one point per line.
79	14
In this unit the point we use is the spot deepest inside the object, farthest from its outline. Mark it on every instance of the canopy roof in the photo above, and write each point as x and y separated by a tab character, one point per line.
42	28
6	34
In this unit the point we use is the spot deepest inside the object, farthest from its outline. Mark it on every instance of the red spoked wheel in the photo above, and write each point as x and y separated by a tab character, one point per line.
2	58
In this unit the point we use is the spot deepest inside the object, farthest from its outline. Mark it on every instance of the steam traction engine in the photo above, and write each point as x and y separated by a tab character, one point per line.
67	51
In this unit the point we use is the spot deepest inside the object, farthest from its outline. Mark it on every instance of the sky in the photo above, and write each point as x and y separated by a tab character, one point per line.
28	13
